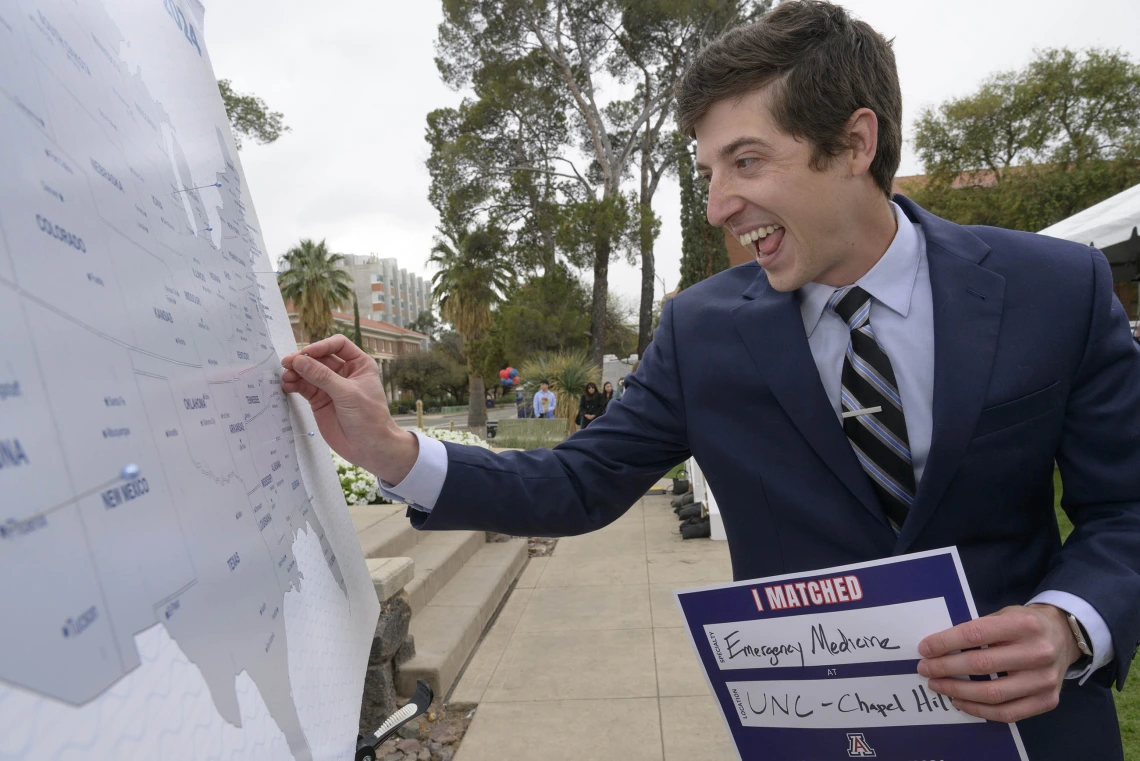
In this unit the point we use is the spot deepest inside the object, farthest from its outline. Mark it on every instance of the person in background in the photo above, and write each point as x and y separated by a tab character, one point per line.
620	388
607	395
590	406
544	401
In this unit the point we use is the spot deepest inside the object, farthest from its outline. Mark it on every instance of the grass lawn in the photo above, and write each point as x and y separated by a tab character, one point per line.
1127	702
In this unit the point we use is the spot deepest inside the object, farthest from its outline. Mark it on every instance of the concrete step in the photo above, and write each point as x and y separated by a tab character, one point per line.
364	516
391	537
438	556
448	628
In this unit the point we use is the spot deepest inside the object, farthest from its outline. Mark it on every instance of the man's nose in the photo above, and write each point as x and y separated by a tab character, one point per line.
723	203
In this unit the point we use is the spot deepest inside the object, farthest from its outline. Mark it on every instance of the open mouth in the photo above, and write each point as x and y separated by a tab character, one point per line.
764	241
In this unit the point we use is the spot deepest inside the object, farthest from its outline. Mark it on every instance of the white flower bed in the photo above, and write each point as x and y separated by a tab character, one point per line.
359	486
455	437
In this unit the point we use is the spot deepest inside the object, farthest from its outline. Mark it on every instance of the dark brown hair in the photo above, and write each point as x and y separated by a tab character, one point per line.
823	65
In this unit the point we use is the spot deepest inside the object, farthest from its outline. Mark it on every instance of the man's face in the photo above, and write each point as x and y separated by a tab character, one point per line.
544	386
760	180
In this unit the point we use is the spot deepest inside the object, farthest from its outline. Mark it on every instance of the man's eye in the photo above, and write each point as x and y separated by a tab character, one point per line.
745	163
706	179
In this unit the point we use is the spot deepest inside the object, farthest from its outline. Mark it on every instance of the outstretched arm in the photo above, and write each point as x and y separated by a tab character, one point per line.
587	481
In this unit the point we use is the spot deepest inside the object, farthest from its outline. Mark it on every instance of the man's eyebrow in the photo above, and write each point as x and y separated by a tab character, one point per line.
736	145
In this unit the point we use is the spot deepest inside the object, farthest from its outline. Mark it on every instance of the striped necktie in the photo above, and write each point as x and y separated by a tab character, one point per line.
879	439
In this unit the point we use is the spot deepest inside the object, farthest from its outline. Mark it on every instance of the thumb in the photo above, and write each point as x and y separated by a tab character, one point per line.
320	376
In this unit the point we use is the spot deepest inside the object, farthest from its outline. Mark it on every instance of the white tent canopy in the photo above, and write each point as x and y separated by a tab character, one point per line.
1111	226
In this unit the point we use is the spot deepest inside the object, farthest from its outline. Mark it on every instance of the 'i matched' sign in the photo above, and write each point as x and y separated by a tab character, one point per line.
824	665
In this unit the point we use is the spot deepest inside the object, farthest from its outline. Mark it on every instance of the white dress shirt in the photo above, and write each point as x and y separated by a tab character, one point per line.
902	313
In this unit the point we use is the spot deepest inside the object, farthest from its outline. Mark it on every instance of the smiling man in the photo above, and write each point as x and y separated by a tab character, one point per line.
991	355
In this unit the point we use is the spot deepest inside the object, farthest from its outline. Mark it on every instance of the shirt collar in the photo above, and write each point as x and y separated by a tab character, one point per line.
890	281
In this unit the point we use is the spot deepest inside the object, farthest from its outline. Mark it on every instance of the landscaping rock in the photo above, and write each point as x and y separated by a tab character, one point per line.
425	755
379	699
406	651
409	746
445	735
391	629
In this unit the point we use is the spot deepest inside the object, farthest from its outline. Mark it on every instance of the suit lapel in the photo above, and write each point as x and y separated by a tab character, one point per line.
968	302
770	325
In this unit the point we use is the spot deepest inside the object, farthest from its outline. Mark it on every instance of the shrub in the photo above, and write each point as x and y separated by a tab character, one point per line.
359	486
568	373
456	437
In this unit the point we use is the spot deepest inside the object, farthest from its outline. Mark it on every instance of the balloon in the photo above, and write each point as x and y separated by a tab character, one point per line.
503	373
514	373
505	381
516	380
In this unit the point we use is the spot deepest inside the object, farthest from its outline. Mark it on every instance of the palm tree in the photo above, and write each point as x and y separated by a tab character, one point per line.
470	281
316	284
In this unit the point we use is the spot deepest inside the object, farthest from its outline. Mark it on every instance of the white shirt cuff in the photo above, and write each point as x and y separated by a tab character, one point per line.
1100	639
421	487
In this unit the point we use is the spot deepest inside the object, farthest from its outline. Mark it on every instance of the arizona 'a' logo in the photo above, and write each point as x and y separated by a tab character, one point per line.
858	747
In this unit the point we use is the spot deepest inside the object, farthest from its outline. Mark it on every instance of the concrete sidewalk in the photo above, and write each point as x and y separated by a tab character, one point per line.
588	658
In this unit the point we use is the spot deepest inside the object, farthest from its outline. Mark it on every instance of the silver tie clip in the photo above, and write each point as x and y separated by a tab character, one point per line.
862	412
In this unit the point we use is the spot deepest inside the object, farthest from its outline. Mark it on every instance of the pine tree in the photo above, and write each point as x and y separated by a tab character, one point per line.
702	246
356	339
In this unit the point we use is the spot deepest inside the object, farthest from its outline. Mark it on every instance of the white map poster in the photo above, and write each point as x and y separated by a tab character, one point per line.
215	603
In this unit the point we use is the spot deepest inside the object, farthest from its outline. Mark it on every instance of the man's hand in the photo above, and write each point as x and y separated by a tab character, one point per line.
342	385
1033	644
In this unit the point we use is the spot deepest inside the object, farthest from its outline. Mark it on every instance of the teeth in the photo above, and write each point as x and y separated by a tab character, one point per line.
757	234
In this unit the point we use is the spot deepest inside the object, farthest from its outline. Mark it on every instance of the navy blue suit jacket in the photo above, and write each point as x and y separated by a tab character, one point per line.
1034	364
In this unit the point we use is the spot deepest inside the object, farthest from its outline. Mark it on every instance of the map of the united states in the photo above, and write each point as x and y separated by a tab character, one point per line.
139	315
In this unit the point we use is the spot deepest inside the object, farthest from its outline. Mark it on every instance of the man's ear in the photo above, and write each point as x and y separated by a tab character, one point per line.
863	140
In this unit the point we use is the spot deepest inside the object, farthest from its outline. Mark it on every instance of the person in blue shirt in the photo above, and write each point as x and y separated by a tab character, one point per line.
544	401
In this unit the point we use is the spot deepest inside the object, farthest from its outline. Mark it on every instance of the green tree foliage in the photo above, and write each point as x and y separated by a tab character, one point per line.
622	331
419	372
452	379
547	313
426	323
702	246
250	117
356	339
1034	146
467	286
539	71
313	280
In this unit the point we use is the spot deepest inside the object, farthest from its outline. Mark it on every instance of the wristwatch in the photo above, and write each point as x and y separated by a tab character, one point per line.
1082	638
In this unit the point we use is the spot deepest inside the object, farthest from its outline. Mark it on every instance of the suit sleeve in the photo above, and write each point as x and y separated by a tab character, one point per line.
1099	460
584	483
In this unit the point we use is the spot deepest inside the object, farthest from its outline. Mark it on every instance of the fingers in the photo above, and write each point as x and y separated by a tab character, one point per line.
319	375
1015	710
336	344
1007	625
990	660
997	691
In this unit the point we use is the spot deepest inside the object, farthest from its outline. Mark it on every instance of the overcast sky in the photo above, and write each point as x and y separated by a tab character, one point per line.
355	80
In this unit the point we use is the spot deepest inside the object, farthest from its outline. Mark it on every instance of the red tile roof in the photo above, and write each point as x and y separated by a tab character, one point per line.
376	324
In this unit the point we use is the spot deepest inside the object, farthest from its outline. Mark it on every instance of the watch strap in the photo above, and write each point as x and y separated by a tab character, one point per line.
1082	639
